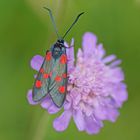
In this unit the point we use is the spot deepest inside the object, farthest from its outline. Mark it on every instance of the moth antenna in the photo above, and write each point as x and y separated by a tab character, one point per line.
72	24
53	21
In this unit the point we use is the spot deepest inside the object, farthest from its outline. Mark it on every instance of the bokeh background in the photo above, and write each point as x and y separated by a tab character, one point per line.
26	30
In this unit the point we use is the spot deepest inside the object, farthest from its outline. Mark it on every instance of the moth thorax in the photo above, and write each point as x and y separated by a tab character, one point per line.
57	51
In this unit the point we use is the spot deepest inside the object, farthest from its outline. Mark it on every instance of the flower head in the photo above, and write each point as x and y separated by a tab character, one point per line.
95	87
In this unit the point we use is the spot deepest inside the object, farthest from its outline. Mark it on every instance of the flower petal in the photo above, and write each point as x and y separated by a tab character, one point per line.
93	125
79	120
107	109
100	51
36	62
115	63
121	95
117	75
62	122
53	109
70	55
100	113
109	58
89	44
79	57
48	104
66	44
67	105
30	99
112	114
79	53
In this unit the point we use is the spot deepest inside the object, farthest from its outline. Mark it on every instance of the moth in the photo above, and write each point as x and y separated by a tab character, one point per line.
52	76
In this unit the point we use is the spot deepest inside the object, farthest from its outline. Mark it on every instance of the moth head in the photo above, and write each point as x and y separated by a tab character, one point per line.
61	41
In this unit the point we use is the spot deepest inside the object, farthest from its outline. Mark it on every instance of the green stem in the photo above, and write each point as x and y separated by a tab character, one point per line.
41	129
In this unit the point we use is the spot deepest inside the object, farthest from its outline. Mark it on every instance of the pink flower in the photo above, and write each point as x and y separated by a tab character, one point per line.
95	87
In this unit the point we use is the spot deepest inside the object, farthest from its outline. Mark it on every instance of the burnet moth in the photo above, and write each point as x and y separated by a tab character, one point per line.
52	76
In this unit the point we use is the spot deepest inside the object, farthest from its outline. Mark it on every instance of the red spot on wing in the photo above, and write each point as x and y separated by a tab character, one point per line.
48	56
62	89
41	70
46	75
38	84
58	78
50	74
63	59
64	75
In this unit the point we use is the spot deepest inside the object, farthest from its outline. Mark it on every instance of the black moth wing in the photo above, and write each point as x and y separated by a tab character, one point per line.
41	85
58	80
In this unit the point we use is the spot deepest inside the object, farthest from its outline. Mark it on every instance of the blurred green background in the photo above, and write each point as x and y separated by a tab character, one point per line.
26	30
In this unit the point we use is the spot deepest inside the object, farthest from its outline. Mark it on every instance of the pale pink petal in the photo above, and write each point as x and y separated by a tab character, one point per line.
109	58
36	62
46	103
30	99
112	114
100	51
115	63
70	56
67	105
62	122
49	105
52	109
79	120
93	125
121	95
89	44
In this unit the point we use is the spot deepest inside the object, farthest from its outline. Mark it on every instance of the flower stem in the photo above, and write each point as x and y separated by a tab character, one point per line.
41	129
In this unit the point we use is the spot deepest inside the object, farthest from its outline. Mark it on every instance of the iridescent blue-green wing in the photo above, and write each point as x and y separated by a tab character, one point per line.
58	80
41	85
